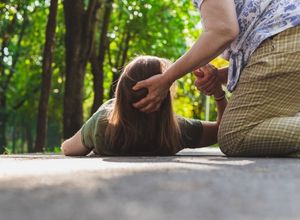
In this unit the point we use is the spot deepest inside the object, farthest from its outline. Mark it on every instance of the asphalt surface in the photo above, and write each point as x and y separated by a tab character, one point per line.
196	184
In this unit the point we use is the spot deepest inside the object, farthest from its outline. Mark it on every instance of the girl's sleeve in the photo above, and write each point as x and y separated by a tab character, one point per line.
93	126
88	131
191	132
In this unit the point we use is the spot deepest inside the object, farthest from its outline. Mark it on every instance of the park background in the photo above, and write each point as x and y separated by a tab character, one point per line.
60	60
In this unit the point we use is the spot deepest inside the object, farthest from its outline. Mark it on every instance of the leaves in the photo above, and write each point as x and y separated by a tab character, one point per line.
161	28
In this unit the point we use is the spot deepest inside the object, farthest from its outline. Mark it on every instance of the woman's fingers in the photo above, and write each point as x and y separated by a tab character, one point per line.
140	85
198	83
151	107
210	89
199	73
157	87
209	70
157	106
205	81
148	104
207	84
142	103
145	101
210	82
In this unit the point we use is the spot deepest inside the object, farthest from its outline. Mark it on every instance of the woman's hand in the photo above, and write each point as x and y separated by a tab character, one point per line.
158	87
207	80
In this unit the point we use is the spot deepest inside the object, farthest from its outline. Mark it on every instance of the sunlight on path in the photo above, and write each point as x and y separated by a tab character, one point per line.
14	166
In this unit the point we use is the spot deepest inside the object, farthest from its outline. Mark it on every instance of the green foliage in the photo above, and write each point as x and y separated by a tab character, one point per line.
161	28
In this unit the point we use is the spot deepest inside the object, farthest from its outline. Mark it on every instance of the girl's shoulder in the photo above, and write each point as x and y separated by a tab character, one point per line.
102	114
107	106
93	129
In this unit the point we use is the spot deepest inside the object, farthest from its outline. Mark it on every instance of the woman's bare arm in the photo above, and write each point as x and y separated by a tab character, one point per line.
221	28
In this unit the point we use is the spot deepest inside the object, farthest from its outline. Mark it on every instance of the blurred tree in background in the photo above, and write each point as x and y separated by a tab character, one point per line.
94	39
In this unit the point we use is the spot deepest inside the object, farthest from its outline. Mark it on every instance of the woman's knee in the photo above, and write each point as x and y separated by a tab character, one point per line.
230	141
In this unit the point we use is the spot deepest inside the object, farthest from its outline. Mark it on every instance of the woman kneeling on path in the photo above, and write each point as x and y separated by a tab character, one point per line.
261	40
119	129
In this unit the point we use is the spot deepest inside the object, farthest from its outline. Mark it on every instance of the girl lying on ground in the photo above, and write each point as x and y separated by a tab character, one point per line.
119	129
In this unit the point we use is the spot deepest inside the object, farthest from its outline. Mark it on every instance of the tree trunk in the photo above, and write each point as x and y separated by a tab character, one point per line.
97	61
46	79
29	139
5	80
97	71
80	26
2	122
2	102
14	139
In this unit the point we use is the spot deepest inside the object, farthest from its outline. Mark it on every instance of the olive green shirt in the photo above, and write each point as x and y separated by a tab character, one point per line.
93	131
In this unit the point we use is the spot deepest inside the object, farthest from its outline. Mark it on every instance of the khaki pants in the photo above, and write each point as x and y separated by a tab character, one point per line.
262	116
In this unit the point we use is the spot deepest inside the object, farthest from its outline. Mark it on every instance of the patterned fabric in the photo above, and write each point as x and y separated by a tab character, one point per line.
262	117
258	20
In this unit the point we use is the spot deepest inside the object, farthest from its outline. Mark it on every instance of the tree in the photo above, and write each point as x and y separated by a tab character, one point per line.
46	78
94	39
7	71
80	28
97	60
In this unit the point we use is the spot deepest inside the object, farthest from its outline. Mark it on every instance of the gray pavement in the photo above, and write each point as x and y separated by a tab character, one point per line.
196	184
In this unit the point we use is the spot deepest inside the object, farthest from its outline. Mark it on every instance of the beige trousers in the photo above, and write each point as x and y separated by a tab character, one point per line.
262	115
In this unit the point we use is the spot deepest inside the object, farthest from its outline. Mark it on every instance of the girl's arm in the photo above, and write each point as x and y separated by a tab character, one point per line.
74	146
209	80
221	28
210	129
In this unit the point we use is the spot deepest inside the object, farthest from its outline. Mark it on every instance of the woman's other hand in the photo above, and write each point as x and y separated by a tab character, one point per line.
158	87
207	80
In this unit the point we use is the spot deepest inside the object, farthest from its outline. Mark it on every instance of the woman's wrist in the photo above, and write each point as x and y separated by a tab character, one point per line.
168	77
219	95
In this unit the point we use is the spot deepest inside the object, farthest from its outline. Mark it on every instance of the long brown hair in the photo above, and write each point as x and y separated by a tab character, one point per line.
132	132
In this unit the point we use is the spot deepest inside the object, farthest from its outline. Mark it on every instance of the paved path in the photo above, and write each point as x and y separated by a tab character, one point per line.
196	184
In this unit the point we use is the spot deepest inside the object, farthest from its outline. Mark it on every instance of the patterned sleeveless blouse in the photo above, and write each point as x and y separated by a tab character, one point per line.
258	20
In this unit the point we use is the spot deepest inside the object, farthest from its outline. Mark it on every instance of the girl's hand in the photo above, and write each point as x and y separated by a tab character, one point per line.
158	88
207	80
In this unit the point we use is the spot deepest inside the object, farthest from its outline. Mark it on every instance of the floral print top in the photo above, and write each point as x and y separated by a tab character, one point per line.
258	20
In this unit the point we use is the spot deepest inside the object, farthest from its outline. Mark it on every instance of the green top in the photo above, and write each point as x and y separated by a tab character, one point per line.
93	131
